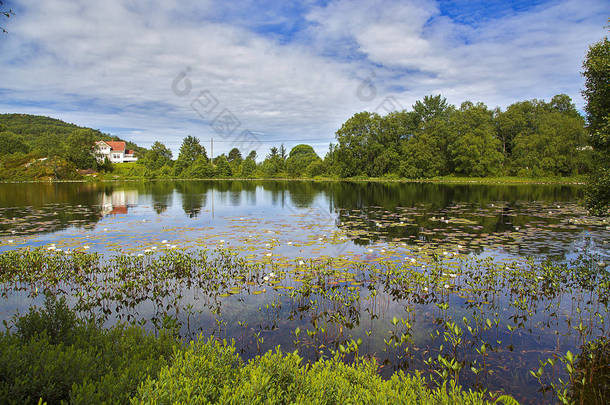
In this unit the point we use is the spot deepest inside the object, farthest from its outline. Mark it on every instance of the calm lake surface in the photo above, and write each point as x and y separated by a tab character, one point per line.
361	227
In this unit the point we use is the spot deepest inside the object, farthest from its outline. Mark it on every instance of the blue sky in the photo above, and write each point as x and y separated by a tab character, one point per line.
260	73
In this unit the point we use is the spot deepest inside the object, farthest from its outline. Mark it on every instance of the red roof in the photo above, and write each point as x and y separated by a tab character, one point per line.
116	146
129	152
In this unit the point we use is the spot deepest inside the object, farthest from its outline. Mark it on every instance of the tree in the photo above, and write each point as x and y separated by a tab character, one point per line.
282	152
79	149
248	167
357	146
12	143
552	146
235	156
200	169
430	108
223	168
301	156
474	149
252	155
273	164
157	157
597	97
190	150
424	155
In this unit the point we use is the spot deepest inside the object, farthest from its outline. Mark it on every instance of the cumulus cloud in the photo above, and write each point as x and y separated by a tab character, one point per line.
111	65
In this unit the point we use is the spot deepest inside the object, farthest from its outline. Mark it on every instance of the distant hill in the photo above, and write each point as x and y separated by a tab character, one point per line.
26	139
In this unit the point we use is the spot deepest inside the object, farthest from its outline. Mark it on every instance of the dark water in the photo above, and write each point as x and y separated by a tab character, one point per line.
279	224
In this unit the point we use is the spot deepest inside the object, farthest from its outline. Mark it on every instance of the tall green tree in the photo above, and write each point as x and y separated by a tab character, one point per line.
190	150
299	159
474	148
596	70
157	156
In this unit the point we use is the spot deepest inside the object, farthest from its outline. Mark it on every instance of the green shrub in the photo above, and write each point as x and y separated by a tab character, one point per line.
55	356
210	372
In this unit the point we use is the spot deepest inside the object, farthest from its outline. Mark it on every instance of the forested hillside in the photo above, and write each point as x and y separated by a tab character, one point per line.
37	147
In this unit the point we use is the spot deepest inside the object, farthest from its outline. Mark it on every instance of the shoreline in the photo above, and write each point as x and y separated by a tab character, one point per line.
567	181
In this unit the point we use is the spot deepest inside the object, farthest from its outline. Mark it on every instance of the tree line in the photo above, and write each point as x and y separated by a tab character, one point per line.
531	138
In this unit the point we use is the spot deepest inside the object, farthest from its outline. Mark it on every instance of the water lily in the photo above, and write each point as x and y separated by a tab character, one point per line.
86	247
266	278
301	262
164	241
10	241
289	243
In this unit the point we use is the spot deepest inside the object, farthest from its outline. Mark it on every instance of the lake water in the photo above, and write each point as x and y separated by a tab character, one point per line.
359	230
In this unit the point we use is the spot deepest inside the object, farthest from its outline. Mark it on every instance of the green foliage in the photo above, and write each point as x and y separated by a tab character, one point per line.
299	160
274	164
223	168
591	380
200	169
597	96
11	143
157	157
474	149
57	357
248	167
190	151
211	372
51	138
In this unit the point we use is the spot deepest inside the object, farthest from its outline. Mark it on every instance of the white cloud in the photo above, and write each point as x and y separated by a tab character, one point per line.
111	64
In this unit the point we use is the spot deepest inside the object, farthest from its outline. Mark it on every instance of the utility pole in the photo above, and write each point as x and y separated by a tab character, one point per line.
211	148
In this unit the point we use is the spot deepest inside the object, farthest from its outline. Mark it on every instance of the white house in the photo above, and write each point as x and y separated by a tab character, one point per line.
114	151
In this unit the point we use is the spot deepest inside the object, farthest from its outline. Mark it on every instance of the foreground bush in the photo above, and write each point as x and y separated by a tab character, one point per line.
53	356
212	372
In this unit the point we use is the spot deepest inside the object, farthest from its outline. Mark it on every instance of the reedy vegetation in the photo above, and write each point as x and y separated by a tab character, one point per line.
478	309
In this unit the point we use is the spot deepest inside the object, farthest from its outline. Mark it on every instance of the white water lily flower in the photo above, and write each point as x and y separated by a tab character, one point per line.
86	247
540	278
289	243
10	241
147	250
453	275
413	260
140	255
426	289
370	250
154	248
447	286
222	241
174	246
164	241
266	278
268	254
267	244
382	250
301	262
272	274
51	248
